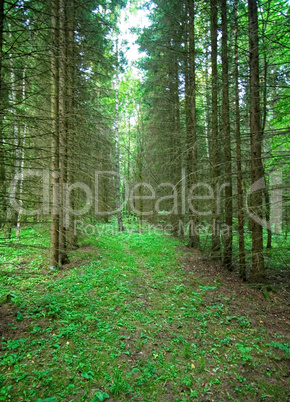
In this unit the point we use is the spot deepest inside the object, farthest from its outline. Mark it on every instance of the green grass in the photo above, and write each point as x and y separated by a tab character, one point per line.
125	321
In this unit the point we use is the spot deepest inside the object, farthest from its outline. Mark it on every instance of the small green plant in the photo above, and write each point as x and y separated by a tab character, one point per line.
120	385
281	346
100	396
245	353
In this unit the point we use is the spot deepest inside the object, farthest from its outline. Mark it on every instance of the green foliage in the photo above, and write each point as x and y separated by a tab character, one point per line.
281	346
126	321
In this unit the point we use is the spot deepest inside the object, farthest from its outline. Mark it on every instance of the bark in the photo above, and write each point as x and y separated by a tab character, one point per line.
175	130
21	168
178	157
11	215
117	152
207	108
71	236
63	258
267	215
215	145
228	245
139	163
2	153
192	143
129	165
266	191
54	229
242	261
258	271
18	223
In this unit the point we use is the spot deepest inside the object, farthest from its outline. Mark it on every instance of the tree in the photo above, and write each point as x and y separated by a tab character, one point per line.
164	138
258	272
2	157
117	146
55	209
240	209
192	121
225	126
214	134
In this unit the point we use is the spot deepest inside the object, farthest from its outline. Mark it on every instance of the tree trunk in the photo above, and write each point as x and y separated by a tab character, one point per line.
207	108
117	152
54	229
266	191
63	258
176	215
242	261
228	245
3	200
215	145
258	272
192	145
21	168
71	236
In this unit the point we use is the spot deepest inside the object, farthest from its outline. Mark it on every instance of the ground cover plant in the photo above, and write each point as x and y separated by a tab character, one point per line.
139	317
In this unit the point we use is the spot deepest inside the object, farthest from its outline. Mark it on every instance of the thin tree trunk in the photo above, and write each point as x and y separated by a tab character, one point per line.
11	214
215	168
192	145
140	177
266	191
21	168
18	223
71	236
129	165
242	262
63	258
54	229
17	142
207	108
174	124
227	142
258	272
3	200
117	151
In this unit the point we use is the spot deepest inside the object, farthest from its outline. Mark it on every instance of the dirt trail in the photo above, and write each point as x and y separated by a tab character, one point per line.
272	312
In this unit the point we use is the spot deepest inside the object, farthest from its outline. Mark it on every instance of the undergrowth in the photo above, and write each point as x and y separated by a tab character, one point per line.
124	321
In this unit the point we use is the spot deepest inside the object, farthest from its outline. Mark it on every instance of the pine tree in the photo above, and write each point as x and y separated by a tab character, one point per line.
256	146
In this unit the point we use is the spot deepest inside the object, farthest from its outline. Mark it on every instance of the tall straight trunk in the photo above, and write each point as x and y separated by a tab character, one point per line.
207	108
71	236
264	120
266	191
10	215
242	261
21	167
117	151
139	163
54	229
179	159
227	141
215	145
21	171
187	104
2	152
174	124
258	271
128	209
63	258
192	145
188	116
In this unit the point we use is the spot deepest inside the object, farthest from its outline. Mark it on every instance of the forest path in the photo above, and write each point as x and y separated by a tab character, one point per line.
139	317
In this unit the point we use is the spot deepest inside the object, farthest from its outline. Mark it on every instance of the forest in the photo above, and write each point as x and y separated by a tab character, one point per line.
144	200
